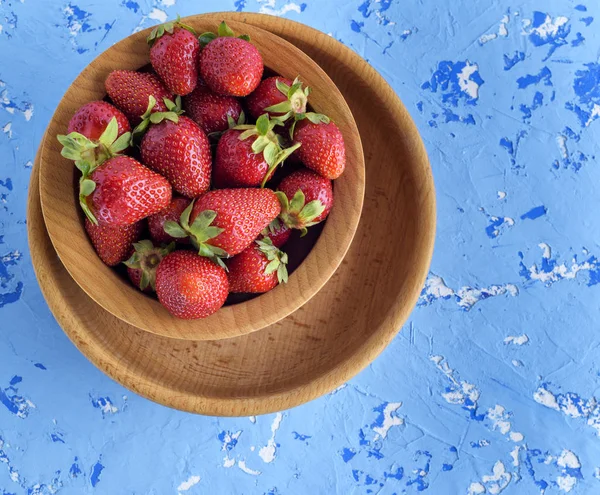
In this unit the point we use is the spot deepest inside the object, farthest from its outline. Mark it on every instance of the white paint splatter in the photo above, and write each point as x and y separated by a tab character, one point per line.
548	29
515	455
568	459
252	419
158	15
186	485
502	31
476	489
466	297
516	436
246	469
558	272
467	85
499	418
7	129
561	141
269	7
498	481
501	195
228	462
267	453
517	339
388	420
597	473
168	3
566	482
517	363
28	113
546	398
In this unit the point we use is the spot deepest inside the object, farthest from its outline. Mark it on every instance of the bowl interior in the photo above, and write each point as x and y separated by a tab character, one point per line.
65	228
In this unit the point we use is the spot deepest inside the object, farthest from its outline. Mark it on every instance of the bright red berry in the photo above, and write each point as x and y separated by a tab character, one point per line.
126	191
266	95
236	164
180	151
306	199
142	265
224	222
278	232
322	148
174	57
130	91
210	110
113	244
93	117
190	286
231	66
258	268
156	222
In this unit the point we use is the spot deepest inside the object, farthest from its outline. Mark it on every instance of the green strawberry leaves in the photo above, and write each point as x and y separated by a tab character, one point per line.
277	259
150	117
295	105
88	155
146	257
267	142
168	27
224	31
296	214
200	232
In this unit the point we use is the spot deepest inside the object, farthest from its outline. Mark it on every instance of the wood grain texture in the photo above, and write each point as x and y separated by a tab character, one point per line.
64	219
333	336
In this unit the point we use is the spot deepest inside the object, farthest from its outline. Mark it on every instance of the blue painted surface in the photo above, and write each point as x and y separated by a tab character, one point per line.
491	386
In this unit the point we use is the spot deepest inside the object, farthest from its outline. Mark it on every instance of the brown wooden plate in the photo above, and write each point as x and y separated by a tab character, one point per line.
328	340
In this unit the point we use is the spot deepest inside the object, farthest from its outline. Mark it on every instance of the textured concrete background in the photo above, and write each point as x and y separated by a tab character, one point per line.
490	387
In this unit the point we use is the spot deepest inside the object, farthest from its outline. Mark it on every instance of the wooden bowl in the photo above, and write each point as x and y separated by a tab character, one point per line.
64	219
331	338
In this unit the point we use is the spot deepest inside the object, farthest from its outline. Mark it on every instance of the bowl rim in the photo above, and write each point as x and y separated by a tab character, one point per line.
230	321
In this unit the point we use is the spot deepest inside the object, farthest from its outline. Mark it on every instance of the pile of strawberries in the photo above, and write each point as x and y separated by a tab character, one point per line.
174	161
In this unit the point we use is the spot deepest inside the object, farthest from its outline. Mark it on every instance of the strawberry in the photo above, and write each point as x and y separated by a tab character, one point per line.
122	191
230	66
306	199
224	222
322	149
278	232
174	56
249	158
92	119
258	268
113	244
268	94
142	265
180	151
172	212
190	286
130	90
211	110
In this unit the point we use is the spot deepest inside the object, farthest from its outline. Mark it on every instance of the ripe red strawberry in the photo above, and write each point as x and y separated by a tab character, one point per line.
230	66
180	151
267	95
224	222
130	91
113	244
278	232
249	158
258	268
306	199
190	286
174	56
122	191
142	265
156	222
322	148
210	110
92	119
